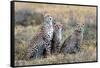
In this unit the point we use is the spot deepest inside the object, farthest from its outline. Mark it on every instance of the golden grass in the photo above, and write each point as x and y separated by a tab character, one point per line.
87	53
69	58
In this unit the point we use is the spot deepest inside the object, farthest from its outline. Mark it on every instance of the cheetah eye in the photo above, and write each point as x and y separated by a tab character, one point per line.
83	24
77	25
48	36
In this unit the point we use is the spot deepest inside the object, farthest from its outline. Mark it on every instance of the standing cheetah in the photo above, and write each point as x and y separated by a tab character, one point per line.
42	41
57	37
72	43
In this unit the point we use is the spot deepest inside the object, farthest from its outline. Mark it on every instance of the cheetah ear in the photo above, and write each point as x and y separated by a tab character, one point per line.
45	14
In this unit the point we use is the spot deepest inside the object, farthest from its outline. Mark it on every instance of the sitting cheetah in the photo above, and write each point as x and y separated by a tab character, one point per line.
42	41
57	37
72	43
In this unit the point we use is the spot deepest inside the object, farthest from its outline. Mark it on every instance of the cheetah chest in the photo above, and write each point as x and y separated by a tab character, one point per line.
50	32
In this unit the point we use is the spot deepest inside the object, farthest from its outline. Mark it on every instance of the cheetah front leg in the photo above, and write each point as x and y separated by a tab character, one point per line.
48	49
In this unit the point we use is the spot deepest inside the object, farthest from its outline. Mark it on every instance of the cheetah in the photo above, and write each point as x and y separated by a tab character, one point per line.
57	37
41	44
72	43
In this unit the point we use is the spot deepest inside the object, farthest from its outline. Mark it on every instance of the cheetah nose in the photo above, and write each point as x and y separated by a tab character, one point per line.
50	18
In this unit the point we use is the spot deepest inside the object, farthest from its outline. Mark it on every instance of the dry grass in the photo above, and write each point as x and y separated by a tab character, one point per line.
88	53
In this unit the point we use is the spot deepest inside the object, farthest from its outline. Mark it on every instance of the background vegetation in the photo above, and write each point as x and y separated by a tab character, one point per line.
28	19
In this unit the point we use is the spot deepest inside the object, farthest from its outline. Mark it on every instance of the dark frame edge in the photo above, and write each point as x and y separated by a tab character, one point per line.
97	33
57	3
12	11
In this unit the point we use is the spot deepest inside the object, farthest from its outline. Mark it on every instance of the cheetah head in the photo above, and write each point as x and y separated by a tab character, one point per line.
79	28
58	27
48	20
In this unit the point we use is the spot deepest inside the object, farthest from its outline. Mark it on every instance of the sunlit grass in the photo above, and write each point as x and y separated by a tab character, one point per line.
87	53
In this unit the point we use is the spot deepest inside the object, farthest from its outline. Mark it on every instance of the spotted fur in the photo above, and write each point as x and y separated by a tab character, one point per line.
41	44
57	37
72	43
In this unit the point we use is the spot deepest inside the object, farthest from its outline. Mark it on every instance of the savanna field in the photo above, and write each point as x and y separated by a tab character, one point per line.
28	20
